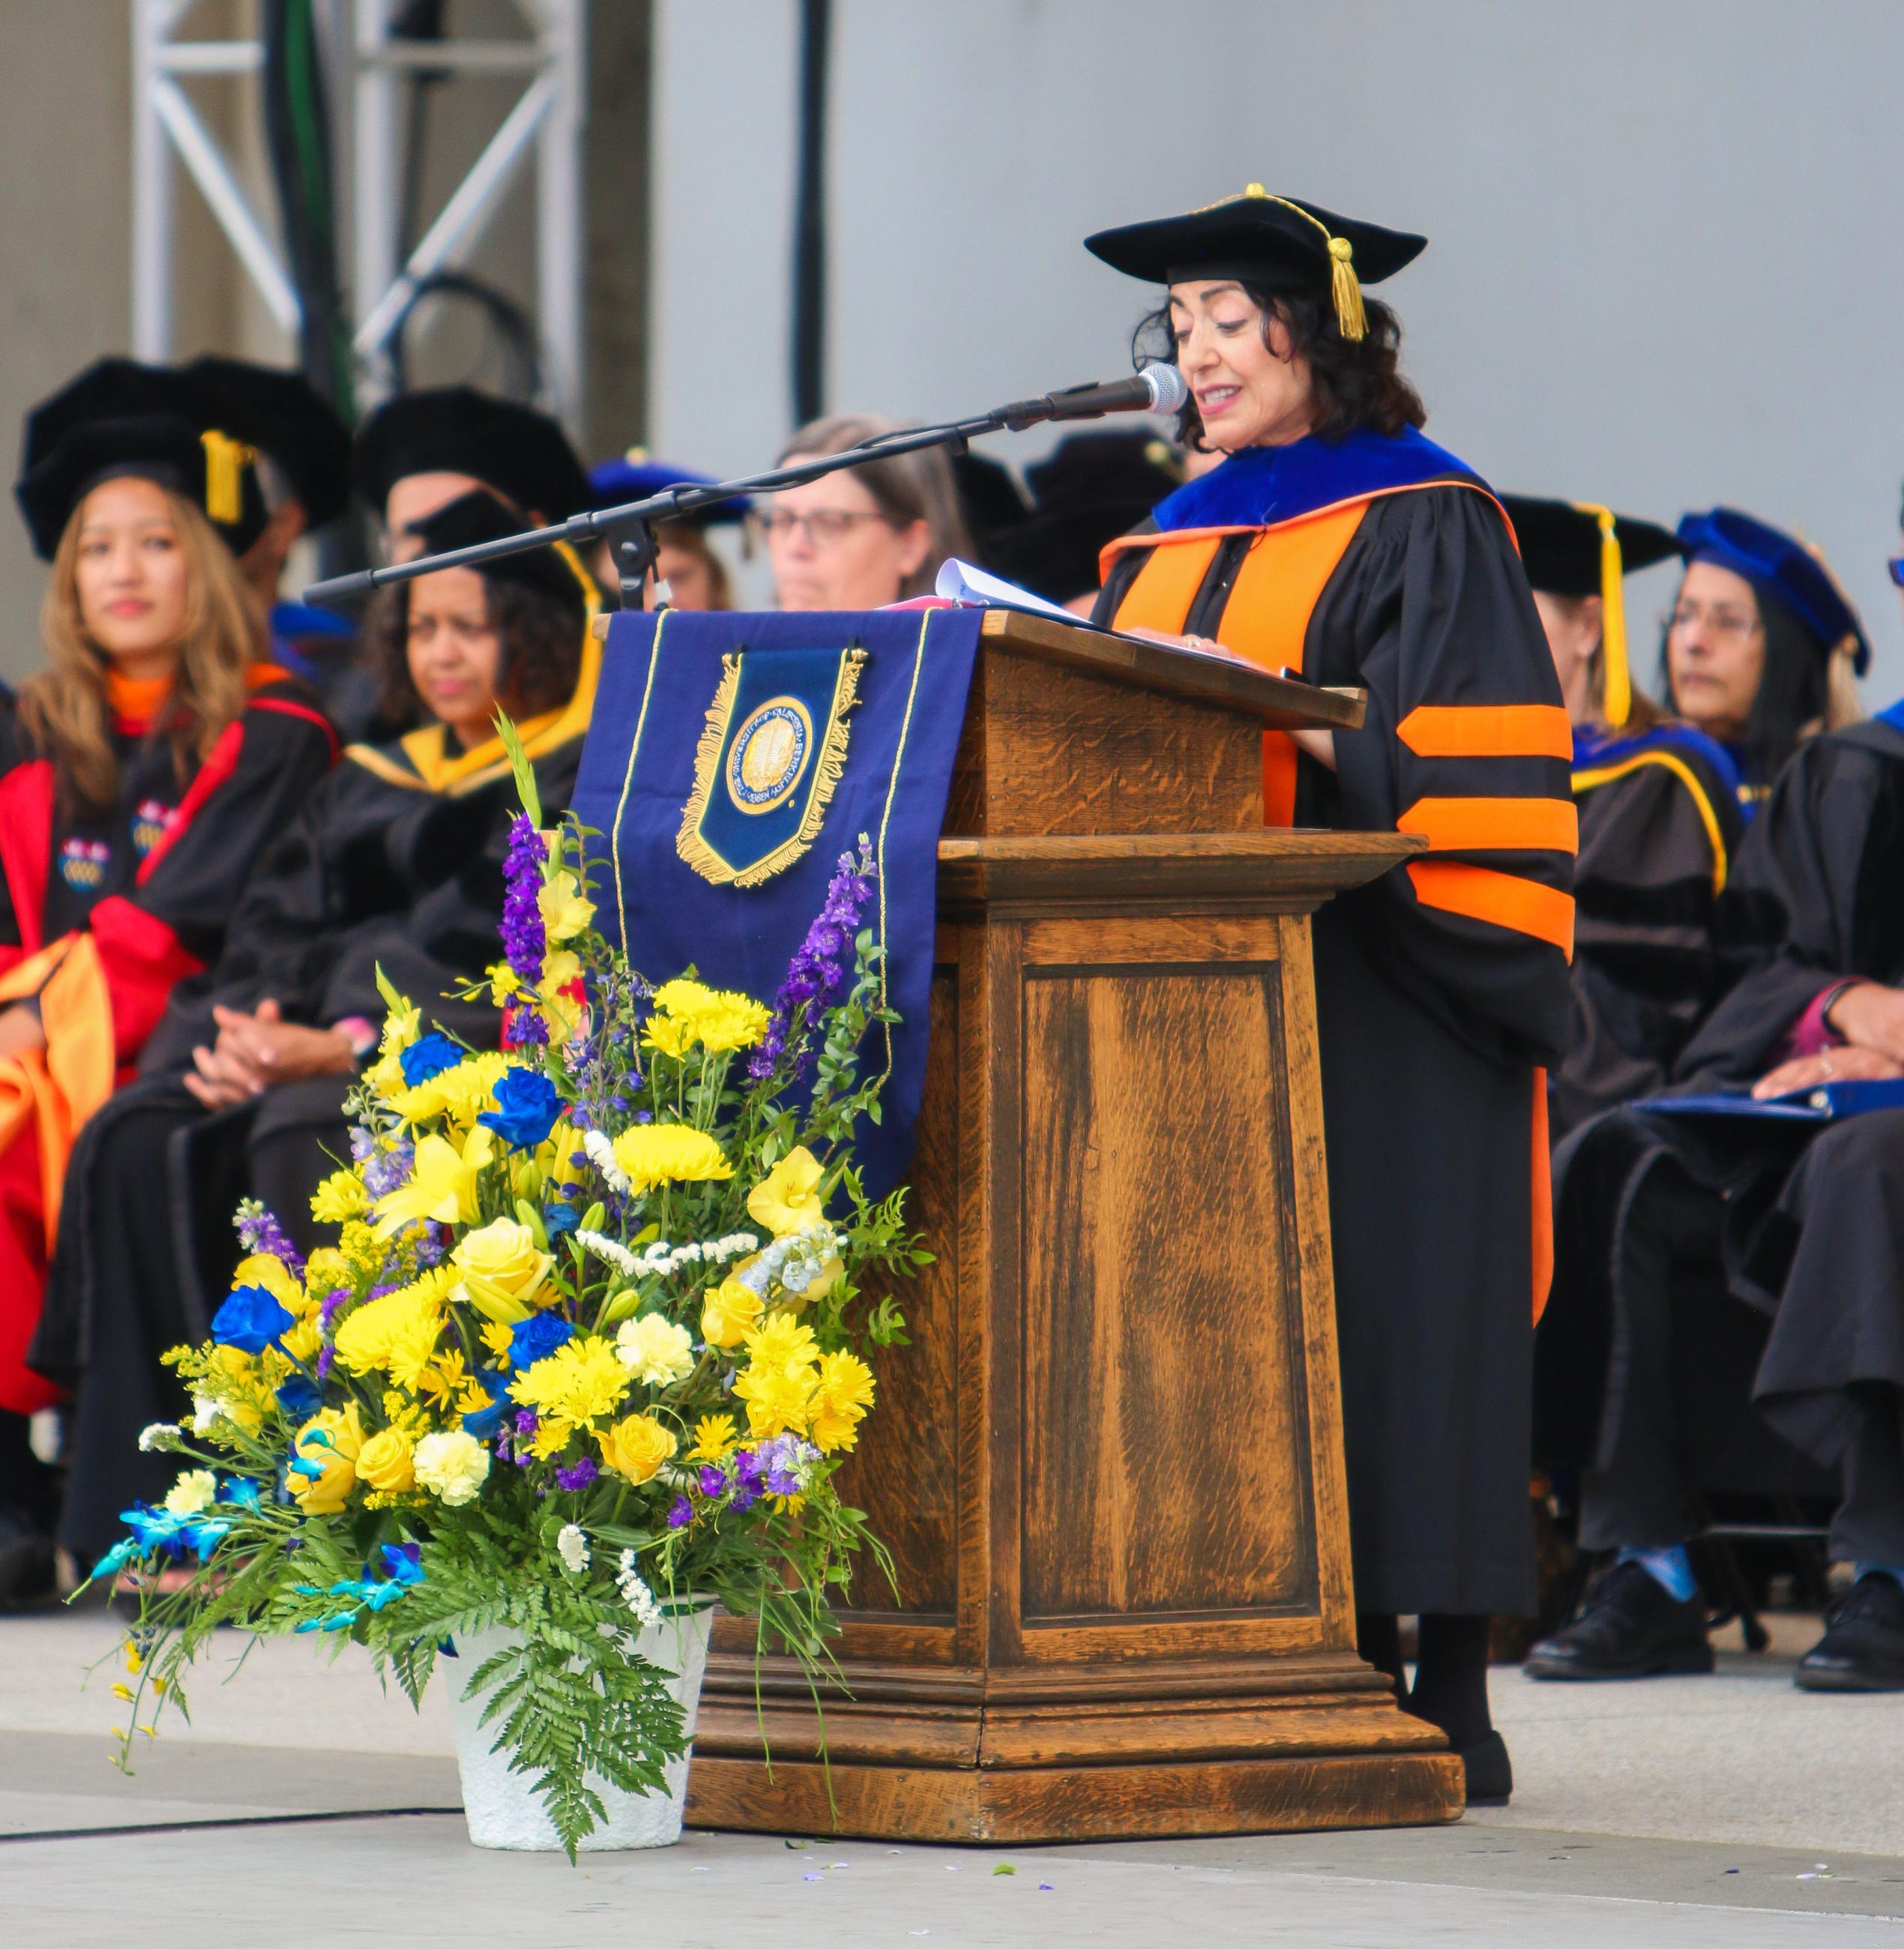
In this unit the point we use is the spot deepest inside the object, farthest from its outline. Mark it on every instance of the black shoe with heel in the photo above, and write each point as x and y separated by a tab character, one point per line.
1862	1649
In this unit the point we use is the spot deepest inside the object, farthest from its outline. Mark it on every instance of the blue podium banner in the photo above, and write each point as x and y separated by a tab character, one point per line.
733	758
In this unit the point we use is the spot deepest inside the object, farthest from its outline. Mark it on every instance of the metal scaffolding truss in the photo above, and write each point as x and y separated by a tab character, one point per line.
547	118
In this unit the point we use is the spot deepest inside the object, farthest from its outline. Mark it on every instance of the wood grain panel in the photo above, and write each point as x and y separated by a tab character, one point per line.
907	1484
1165	1438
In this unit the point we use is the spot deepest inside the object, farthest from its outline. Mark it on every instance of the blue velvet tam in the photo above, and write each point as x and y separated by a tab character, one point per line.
251	1319
1780	566
527	1109
634	477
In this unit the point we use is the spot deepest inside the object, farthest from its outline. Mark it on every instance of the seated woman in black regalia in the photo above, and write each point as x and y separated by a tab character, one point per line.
396	864
1659	817
1655	1212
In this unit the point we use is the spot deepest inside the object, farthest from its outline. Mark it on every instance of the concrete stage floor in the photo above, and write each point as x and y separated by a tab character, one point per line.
302	1806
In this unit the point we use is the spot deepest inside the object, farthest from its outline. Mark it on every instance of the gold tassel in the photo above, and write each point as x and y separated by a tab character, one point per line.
1351	320
225	460
1617	682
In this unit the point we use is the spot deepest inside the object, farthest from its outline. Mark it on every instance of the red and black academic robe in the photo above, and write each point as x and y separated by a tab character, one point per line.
102	913
1442	988
1810	1218
1659	821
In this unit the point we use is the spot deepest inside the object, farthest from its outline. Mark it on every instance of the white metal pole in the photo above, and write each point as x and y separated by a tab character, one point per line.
560	230
375	184
152	185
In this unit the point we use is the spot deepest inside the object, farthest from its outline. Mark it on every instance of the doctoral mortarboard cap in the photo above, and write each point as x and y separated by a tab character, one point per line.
523	454
555	571
200	463
111	389
281	414
1782	566
1089	489
1259	238
1578	547
634	477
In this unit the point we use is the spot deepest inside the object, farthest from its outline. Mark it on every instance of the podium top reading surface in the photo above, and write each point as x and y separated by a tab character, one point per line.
1279	703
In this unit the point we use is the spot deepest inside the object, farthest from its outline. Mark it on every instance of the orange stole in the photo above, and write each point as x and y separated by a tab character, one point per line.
1266	616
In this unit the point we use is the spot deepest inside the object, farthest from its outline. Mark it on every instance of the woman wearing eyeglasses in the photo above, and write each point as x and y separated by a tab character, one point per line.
867	536
1761	648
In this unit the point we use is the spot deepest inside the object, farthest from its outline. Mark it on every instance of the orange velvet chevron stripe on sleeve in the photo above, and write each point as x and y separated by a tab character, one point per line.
1504	900
1487	731
1494	824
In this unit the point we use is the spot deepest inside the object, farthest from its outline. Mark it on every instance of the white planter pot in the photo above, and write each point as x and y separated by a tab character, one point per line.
502	1808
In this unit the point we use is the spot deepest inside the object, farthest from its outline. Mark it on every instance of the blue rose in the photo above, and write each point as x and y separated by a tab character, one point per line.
536	1337
251	1319
300	1398
430	1057
560	1218
527	1109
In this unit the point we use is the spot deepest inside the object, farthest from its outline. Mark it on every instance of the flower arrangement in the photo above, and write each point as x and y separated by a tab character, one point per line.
584	1353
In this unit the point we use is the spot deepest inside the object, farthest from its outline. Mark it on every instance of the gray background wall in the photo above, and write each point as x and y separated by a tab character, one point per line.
1667	256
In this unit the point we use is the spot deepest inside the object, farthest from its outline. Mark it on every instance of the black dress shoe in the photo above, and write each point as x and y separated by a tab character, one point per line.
1862	1649
1630	1627
1489	1772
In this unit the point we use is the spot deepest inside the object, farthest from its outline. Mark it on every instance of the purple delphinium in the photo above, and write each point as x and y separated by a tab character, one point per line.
779	1461
578	1476
388	1169
259	1231
327	1359
523	941
746	1479
712	1480
682	1513
817	975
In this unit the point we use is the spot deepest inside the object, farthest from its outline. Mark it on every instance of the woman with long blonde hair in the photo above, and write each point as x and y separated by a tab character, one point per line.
140	773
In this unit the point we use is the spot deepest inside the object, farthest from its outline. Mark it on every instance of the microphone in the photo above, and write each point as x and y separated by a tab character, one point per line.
1158	388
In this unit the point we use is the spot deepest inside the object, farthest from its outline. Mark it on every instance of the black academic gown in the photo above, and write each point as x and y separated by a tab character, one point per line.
1798	1222
1440	993
396	864
1659	821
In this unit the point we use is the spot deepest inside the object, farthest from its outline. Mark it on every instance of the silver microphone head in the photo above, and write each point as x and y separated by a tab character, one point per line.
1169	390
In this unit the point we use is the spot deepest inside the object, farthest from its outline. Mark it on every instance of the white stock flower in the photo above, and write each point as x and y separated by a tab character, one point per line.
636	1594
573	1547
205	1412
610	1251
601	1155
158	1435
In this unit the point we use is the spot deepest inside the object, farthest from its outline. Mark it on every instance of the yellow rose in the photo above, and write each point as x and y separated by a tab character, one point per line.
500	1263
653	1153
635	1448
452	1465
787	1200
341	1195
332	1439
387	1462
729	1311
197	1489
565	912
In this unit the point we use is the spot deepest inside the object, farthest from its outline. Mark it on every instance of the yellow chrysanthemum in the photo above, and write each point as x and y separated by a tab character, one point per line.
636	1448
444	1380
398	1332
778	1383
715	1437
458	1095
498	1337
841	1397
583	1379
442	1183
341	1195
788	1199
718	1018
655	1153
565	911
729	1313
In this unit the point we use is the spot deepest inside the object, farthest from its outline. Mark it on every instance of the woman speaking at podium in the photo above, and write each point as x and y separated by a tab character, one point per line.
1335	542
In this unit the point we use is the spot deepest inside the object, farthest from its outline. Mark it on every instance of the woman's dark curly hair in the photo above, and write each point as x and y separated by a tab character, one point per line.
1355	382
541	649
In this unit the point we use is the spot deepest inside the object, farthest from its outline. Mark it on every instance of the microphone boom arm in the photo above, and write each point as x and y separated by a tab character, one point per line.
632	519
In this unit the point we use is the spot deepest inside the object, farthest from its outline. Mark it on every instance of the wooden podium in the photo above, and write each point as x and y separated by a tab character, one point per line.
1109	1467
